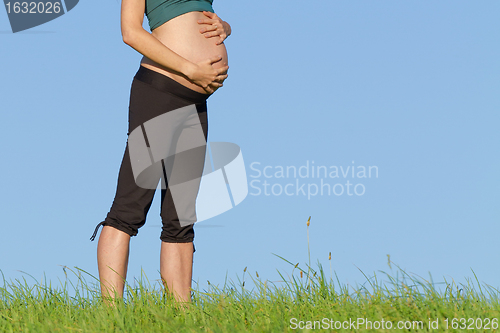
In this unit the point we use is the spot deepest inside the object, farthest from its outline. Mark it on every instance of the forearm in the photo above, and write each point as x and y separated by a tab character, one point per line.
146	44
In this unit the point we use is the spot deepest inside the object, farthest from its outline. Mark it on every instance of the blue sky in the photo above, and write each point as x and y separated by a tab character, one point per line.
409	87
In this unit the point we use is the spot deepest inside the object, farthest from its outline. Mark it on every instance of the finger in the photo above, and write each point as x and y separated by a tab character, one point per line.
221	40
212	86
215	85
208	21
214	59
209	14
222	70
221	78
212	34
209	28
205	30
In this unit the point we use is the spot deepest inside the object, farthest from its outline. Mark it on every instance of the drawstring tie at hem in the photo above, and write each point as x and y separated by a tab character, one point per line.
96	229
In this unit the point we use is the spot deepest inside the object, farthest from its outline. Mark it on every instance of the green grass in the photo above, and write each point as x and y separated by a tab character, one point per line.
305	294
267	307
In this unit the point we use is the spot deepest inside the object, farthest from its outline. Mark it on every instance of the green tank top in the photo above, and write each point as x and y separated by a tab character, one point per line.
161	11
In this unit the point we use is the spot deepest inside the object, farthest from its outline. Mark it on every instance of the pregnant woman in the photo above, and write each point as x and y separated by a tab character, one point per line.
185	61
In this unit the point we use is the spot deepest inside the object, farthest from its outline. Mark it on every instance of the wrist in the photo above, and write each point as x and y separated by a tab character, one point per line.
188	70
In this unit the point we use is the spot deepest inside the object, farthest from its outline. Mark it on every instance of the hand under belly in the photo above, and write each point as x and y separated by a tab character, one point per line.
182	35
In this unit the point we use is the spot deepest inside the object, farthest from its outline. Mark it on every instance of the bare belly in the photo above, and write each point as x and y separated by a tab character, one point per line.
182	35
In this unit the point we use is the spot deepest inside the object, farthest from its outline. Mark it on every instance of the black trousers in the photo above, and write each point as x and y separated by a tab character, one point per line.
153	95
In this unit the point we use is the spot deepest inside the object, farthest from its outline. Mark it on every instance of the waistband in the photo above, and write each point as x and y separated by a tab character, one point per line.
168	85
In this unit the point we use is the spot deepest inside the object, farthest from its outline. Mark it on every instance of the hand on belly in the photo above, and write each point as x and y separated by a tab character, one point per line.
182	35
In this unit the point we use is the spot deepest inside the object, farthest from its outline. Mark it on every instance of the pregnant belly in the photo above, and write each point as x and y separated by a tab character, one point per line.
182	35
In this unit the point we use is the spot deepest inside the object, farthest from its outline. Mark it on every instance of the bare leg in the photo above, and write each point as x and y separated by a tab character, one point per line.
176	268
112	261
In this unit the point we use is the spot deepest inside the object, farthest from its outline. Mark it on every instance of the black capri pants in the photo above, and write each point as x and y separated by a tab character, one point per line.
153	94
